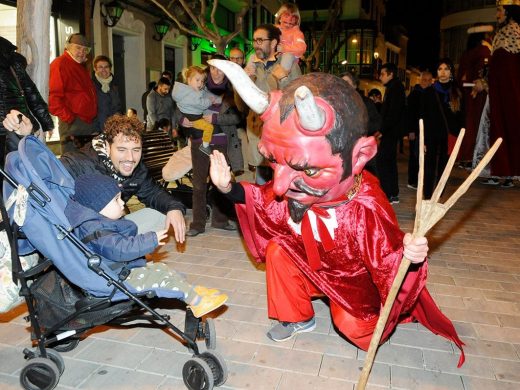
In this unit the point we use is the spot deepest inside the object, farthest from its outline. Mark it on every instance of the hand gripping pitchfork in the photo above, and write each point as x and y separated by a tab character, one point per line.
427	214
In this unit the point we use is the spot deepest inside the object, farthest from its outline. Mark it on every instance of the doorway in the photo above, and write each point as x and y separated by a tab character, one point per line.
169	60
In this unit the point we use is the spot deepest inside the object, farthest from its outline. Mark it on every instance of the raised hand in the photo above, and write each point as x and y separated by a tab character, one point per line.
220	172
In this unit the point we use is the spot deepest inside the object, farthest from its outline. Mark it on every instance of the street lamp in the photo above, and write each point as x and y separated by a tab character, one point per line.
112	14
161	28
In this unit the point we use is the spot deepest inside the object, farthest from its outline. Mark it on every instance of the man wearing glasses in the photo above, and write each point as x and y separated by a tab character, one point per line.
236	55
259	67
72	94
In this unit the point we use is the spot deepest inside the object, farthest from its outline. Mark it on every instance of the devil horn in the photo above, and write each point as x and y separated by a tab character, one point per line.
311	116
255	98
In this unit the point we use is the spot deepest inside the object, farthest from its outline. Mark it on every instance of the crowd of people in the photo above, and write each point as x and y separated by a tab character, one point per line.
224	131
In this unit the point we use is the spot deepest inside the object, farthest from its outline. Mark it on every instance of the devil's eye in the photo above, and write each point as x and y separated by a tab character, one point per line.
271	159
311	171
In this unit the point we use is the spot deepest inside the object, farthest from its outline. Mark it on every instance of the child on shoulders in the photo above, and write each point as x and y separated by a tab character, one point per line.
292	41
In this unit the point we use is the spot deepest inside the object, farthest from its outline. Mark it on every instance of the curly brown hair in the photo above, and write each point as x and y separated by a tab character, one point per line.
121	124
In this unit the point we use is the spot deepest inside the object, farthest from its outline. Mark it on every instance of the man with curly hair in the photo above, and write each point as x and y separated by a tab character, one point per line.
117	153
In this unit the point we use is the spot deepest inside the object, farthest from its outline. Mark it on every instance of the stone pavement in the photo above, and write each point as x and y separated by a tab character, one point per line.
474	277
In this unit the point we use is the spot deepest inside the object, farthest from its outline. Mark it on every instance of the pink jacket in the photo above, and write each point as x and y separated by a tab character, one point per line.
293	41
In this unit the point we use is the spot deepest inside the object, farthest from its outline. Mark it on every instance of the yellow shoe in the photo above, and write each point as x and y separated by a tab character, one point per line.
207	304
201	290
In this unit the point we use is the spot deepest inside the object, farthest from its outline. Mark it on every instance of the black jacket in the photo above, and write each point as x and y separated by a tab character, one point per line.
140	184
28	101
438	118
374	117
393	110
108	103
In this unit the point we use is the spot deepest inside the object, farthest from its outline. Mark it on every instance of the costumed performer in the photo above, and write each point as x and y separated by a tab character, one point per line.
323	225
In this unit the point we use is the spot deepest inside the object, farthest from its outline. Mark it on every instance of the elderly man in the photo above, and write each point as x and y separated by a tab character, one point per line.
117	153
236	55
72	95
323	225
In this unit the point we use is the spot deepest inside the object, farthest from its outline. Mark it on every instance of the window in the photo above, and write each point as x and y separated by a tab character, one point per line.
225	18
266	16
365	4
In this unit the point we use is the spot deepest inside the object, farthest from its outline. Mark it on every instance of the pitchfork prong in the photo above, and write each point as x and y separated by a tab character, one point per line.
447	171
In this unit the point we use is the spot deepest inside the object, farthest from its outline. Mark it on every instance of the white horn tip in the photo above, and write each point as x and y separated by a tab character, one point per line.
311	116
302	92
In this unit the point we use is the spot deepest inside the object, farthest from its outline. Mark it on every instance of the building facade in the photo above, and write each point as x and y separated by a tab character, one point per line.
360	41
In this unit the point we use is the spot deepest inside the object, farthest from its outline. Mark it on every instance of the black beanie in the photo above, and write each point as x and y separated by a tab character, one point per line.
95	191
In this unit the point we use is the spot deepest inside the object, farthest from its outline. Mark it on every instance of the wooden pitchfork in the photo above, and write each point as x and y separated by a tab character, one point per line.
427	214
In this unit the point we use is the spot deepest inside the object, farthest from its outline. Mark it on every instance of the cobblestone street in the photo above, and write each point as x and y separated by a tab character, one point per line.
474	277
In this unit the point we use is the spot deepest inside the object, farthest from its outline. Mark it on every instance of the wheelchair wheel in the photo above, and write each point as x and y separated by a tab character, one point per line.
197	374
39	374
207	332
65	346
218	366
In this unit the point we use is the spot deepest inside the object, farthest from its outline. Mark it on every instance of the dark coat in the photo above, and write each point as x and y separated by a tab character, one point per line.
140	184
226	121
374	117
108	103
28	101
439	119
393	110
118	241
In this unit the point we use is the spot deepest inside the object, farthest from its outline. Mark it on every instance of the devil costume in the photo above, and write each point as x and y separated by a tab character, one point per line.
357	261
323	225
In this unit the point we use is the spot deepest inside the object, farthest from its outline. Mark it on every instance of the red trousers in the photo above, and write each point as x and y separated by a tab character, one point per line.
289	294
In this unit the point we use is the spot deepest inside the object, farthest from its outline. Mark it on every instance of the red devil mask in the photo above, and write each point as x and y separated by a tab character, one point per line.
313	134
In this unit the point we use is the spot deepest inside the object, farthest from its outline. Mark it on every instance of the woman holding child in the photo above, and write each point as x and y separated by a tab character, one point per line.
224	117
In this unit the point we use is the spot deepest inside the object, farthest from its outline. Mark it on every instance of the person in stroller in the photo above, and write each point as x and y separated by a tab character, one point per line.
95	211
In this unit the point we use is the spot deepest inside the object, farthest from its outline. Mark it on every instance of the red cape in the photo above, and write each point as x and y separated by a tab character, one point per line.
358	273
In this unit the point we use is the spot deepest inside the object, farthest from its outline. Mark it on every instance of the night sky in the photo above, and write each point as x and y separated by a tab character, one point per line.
421	18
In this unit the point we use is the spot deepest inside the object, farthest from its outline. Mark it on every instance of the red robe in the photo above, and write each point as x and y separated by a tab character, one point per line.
472	63
357	274
504	103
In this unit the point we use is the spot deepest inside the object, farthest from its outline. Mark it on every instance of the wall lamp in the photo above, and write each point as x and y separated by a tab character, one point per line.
161	28
112	13
195	43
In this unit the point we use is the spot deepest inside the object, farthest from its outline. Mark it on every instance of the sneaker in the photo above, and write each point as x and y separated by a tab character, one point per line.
490	182
412	186
201	290
507	184
283	331
394	200
207	304
205	149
